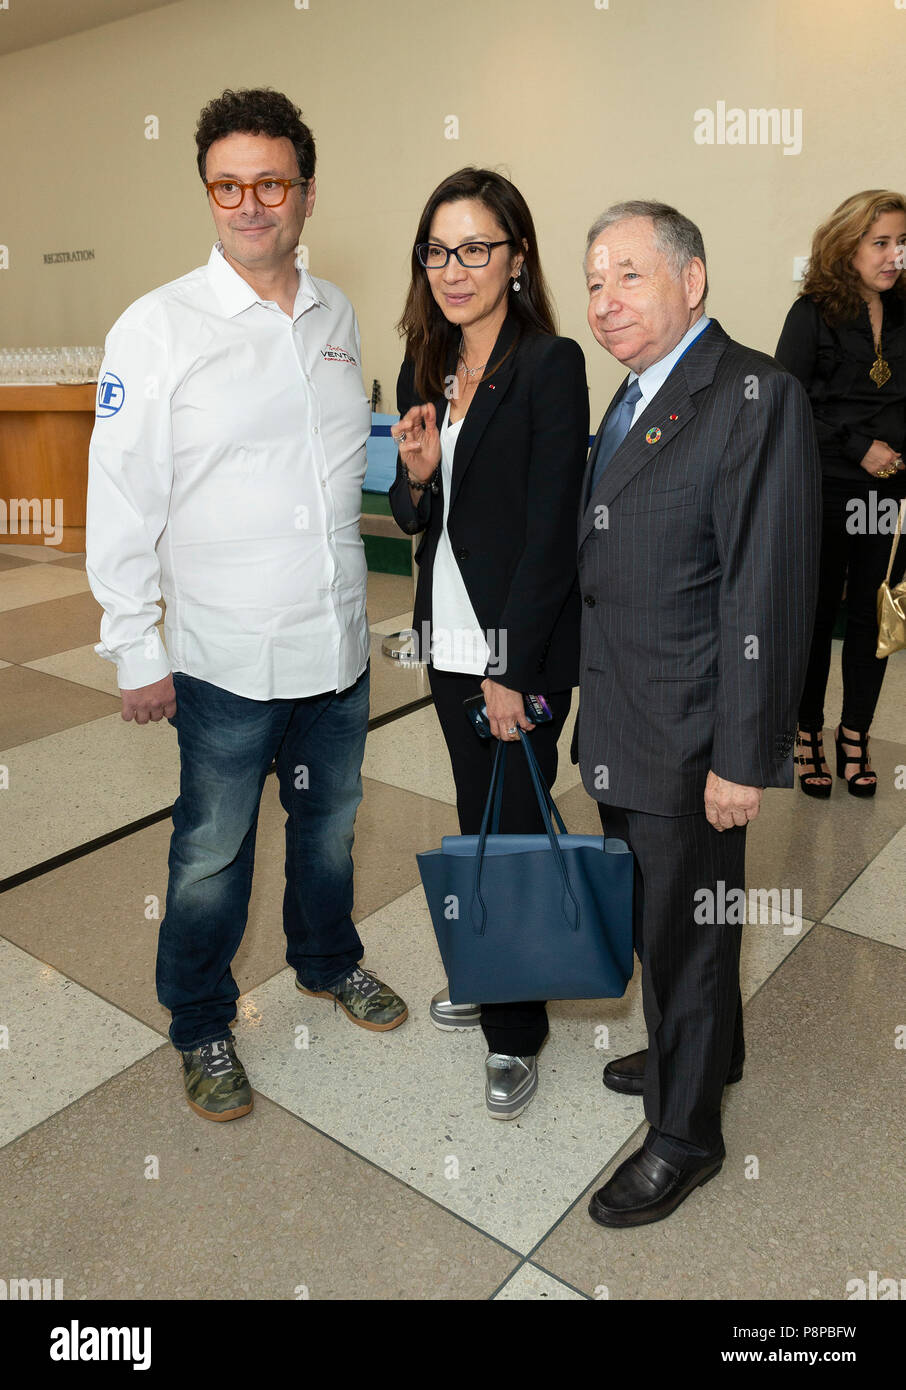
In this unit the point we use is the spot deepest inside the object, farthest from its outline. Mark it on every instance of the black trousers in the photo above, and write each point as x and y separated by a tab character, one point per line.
690	972
859	560
517	1030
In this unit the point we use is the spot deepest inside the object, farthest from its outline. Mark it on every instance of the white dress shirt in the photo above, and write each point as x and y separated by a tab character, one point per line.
457	642
225	474
653	377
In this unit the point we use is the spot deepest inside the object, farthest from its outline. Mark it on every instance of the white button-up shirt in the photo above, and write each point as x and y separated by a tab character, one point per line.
225	474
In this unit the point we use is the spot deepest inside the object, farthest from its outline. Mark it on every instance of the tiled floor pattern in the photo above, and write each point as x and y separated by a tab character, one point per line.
379	1143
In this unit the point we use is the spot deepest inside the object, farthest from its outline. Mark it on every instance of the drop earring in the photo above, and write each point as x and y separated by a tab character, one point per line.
516	285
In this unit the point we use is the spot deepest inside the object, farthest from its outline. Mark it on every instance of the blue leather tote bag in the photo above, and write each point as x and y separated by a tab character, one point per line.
545	916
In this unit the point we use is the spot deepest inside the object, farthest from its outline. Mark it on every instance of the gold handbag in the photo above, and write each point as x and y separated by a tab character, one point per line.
892	604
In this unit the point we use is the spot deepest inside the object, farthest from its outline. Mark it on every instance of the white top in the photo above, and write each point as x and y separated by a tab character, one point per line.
457	642
225	473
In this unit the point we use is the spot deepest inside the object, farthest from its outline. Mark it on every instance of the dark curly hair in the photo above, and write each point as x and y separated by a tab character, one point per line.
255	111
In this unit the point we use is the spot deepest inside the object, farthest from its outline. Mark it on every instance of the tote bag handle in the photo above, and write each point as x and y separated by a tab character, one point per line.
491	819
896	541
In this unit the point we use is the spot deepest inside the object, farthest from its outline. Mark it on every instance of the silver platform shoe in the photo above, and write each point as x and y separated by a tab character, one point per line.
511	1083
453	1017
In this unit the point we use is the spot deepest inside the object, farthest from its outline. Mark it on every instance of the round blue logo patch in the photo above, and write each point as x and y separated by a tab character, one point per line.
111	394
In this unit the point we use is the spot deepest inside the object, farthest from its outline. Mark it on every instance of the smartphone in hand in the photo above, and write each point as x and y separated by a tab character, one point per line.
536	708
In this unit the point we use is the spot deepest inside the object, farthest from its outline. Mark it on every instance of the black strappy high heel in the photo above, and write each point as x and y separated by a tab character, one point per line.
807	781
855	785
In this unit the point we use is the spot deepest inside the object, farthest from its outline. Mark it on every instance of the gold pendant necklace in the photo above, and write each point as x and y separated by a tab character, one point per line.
880	371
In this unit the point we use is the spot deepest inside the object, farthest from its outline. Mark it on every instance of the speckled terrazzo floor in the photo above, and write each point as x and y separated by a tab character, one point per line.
104	1170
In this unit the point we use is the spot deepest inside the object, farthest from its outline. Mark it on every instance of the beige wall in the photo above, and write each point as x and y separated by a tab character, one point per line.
580	106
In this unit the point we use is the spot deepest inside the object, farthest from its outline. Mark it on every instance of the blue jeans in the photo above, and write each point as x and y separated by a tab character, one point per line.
227	744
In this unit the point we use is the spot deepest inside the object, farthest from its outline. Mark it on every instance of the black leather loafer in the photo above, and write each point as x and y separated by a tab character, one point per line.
627	1074
647	1188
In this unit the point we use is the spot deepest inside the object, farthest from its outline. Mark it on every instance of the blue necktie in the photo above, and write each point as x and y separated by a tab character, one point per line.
615	431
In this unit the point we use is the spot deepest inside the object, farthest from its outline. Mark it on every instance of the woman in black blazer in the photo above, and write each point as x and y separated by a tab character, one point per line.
493	439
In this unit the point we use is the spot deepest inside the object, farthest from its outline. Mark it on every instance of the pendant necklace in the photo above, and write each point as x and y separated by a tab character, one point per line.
879	371
473	371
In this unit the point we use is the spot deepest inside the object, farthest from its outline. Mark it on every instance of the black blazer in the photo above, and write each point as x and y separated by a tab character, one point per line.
517	478
698	564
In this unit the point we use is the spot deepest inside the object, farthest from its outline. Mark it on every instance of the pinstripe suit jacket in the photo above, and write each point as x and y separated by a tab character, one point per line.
698	563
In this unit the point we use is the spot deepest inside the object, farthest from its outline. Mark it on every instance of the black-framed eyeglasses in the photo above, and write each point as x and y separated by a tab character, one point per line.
470	254
228	193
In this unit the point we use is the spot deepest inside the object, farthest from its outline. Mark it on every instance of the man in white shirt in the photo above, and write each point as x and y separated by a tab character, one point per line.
225	475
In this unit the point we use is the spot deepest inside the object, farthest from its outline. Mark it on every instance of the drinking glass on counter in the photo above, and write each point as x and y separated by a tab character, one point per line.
48	366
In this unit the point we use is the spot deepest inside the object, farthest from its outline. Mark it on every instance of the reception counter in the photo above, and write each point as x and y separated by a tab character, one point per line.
44	435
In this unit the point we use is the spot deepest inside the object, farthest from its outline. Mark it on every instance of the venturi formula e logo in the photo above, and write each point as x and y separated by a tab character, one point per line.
111	395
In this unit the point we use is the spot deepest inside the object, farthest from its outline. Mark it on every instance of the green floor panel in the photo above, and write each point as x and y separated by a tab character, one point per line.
376	504
388	556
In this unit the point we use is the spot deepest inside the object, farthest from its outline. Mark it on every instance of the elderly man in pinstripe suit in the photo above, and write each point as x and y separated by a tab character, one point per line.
698	570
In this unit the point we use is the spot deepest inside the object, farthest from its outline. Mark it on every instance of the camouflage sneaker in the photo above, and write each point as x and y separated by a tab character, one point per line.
365	999
216	1084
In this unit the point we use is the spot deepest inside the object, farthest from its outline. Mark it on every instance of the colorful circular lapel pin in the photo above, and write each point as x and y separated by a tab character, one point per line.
653	436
